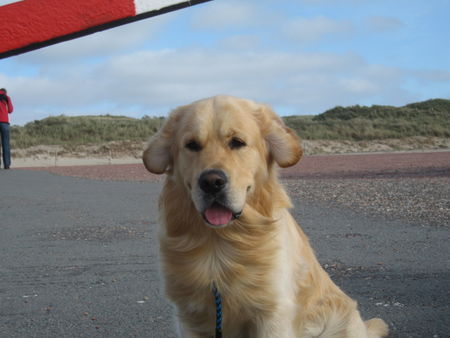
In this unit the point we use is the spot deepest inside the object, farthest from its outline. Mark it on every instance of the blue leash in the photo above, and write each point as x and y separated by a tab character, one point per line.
218	301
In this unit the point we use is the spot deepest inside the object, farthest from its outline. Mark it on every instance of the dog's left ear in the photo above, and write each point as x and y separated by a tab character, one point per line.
157	155
284	144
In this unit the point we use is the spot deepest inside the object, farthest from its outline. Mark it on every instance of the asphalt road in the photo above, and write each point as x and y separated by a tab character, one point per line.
78	258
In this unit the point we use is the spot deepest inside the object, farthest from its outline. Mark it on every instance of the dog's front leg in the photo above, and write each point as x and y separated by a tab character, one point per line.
184	332
276	326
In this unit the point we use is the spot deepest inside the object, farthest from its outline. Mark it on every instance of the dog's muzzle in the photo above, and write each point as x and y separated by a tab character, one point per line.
213	184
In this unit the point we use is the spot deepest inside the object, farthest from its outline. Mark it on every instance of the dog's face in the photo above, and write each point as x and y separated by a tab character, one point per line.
219	149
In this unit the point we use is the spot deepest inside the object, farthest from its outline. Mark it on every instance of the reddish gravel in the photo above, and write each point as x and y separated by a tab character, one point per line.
390	165
386	165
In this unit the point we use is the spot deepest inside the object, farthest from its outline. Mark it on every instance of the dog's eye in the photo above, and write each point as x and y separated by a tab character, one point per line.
236	143
193	146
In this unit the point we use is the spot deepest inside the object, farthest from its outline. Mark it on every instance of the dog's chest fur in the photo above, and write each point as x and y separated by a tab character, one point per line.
240	260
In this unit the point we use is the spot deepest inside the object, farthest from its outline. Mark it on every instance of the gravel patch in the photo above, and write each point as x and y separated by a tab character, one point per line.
424	201
97	233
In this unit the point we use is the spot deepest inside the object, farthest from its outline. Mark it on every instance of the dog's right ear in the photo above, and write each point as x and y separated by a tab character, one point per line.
157	155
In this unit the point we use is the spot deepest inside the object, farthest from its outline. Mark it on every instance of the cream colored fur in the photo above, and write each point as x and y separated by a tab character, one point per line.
270	280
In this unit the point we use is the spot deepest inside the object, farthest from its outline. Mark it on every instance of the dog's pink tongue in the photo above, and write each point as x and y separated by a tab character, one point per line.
218	215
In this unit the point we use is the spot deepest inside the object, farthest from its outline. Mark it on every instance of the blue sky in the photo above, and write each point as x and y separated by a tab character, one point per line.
300	56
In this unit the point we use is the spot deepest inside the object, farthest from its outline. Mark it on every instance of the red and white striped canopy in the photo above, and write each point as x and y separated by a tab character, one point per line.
26	25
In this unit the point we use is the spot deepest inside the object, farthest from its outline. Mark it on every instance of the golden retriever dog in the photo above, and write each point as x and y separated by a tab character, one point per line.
225	225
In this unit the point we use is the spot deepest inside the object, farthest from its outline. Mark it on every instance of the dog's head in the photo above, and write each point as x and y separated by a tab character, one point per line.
219	149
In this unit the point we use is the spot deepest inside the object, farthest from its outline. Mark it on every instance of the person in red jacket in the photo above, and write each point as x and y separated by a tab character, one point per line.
6	108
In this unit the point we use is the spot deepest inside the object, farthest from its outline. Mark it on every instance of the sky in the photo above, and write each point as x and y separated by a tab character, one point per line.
302	57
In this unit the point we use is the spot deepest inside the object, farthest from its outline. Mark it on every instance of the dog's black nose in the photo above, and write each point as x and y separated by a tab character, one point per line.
212	181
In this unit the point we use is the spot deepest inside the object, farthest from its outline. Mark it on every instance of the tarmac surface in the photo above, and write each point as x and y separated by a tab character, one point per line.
79	258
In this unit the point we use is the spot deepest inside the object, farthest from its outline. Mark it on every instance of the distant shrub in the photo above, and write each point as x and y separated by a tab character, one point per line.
428	118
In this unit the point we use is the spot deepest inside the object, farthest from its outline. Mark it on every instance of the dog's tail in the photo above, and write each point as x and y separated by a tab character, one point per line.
376	328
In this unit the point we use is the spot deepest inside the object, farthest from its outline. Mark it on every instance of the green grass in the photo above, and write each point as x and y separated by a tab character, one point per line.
65	130
430	118
357	123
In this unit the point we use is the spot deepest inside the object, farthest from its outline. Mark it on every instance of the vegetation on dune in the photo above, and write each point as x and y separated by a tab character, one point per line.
430	119
81	130
356	123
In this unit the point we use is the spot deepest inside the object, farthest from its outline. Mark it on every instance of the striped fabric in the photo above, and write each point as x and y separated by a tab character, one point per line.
29	24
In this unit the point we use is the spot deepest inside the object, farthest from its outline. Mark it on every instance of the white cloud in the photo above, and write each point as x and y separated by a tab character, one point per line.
153	82
242	42
334	2
163	77
305	30
432	76
359	85
383	24
226	15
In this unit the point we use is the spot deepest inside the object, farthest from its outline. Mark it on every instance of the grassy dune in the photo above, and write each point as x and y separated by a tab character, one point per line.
83	130
357	123
429	120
